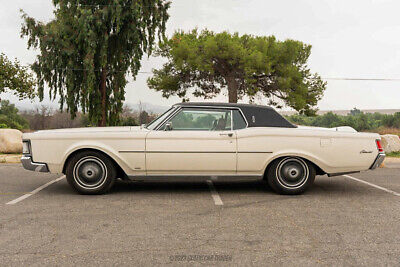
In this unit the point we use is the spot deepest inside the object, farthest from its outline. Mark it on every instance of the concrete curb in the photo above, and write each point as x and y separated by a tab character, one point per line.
10	158
390	162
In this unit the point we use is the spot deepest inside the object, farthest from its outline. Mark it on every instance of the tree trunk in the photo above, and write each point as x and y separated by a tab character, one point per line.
103	121
232	90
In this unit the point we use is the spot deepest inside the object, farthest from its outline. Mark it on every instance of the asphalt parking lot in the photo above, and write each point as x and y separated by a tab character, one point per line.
340	221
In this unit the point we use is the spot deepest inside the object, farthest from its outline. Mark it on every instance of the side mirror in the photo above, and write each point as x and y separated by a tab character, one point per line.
168	126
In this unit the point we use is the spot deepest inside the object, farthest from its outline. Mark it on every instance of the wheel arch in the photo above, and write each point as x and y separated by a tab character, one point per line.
318	169
120	171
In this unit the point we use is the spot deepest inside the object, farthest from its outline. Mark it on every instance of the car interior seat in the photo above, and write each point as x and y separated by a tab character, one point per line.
221	124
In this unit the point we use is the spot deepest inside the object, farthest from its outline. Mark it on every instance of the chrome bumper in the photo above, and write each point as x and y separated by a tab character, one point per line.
378	161
33	166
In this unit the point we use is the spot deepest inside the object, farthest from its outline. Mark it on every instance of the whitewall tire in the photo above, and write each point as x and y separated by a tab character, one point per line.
290	175
90	172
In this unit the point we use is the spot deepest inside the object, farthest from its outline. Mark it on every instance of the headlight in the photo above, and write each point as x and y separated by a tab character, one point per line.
26	147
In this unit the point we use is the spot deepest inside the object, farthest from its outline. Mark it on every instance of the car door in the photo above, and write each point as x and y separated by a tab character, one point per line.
195	141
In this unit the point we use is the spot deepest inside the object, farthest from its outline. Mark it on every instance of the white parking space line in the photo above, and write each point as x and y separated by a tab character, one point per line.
214	194
15	201
373	185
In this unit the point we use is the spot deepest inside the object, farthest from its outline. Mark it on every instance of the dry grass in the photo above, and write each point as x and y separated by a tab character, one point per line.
383	130
393	154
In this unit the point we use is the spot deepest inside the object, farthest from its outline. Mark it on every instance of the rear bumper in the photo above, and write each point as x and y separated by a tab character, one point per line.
378	161
33	166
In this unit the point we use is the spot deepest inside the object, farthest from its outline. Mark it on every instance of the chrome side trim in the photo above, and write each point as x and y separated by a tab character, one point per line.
211	152
378	161
191	178
255	152
33	166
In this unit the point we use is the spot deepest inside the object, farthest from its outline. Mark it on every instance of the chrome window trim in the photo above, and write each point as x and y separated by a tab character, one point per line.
244	118
167	118
150	123
173	108
231	120
207	107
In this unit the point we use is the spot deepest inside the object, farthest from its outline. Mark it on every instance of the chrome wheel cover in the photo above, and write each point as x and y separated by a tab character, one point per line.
90	172
292	173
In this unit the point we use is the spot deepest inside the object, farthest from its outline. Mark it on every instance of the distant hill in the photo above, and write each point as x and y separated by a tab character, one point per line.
27	106
347	111
148	107
157	109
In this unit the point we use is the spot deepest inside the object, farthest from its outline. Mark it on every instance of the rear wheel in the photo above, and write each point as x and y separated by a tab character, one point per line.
290	175
91	172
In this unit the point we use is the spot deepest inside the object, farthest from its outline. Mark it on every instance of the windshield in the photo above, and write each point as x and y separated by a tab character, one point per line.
154	123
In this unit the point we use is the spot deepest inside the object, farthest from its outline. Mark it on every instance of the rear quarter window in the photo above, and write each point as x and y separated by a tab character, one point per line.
238	120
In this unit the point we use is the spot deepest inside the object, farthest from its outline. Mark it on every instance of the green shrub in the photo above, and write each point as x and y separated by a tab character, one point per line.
10	118
356	119
128	121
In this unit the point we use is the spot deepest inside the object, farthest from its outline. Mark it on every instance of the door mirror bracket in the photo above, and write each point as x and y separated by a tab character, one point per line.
168	126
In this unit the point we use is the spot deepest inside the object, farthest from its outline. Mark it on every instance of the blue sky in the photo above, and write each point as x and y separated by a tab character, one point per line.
354	38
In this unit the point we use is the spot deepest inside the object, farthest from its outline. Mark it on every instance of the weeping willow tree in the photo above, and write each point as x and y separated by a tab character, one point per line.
88	49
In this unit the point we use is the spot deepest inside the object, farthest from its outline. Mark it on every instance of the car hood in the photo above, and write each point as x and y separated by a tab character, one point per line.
86	130
92	129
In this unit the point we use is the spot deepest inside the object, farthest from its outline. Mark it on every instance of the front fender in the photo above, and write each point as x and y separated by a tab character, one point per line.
108	150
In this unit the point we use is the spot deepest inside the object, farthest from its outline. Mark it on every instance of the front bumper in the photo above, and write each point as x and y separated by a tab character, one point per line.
33	166
378	161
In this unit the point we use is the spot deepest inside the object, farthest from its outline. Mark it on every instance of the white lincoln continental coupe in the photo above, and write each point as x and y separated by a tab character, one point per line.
202	140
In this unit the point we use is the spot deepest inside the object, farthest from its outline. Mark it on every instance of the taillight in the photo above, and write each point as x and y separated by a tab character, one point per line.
379	145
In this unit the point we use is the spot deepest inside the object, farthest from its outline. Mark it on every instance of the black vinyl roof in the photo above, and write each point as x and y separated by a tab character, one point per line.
256	115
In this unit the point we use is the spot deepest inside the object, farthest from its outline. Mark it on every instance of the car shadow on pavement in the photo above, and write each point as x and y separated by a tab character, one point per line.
321	186
187	187
168	187
325	186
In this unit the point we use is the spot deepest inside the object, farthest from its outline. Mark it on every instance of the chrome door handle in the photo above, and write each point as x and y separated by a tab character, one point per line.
228	134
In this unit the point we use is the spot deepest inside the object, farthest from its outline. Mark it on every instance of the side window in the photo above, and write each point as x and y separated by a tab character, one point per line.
238	120
191	119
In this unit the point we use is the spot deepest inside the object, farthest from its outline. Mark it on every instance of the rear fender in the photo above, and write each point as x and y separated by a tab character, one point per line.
311	158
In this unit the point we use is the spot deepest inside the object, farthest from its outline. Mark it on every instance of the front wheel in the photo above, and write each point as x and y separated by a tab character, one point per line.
290	175
90	172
